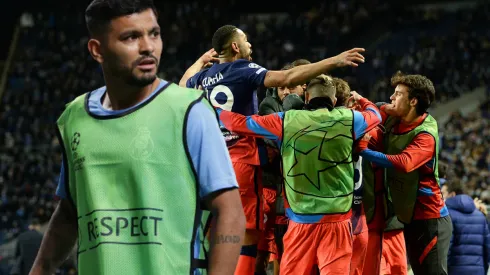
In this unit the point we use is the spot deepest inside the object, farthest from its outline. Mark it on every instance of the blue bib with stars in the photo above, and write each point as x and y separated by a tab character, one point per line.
318	169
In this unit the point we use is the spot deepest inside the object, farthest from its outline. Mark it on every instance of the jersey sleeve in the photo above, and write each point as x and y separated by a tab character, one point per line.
419	152
194	81
61	189
208	151
367	119
269	126
253	73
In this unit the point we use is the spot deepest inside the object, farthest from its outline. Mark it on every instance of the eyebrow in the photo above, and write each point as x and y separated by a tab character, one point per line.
137	31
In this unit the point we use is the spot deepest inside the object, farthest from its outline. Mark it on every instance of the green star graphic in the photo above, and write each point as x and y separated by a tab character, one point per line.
306	144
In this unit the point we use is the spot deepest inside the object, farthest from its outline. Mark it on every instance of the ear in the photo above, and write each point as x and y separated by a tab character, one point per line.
235	48
94	48
413	102
304	86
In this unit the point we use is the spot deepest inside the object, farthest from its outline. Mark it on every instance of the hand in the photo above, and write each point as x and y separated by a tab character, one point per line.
480	206
350	58
353	100
366	137
363	143
208	58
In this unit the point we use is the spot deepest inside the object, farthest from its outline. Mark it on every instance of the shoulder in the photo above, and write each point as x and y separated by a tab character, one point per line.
242	63
176	92
76	104
269	100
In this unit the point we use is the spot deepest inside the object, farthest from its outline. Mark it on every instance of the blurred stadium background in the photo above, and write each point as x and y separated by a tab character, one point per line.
44	64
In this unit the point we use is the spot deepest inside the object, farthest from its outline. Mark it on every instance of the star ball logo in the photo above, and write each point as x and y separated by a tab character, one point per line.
78	159
75	141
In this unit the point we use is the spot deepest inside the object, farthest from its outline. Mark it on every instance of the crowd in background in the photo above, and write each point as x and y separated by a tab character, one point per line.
52	66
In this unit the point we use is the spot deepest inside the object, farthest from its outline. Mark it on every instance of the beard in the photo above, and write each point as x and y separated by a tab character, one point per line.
132	76
140	81
244	54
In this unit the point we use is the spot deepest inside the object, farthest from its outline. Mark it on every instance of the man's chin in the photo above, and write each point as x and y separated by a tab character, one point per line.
143	81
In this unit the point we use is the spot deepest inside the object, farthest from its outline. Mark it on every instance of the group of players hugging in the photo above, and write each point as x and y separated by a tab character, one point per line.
330	182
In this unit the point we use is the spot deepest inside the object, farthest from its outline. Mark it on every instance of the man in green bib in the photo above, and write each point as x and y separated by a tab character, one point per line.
139	156
316	146
411	147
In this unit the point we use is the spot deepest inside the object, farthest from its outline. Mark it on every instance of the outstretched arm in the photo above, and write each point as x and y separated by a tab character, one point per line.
302	74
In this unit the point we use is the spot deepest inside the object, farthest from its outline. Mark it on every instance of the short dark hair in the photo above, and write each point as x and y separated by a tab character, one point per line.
342	91
454	185
419	87
222	37
99	13
326	83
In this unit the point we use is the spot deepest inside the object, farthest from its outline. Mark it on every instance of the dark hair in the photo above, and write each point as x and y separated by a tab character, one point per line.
222	37
419	87
455	186
99	13
342	91
326	81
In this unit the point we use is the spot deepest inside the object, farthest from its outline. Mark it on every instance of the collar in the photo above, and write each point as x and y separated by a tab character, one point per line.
319	103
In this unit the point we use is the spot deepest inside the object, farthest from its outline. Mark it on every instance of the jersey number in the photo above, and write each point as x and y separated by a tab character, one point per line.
228	105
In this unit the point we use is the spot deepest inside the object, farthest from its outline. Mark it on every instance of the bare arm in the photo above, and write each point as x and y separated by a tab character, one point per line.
227	231
301	74
58	241
203	61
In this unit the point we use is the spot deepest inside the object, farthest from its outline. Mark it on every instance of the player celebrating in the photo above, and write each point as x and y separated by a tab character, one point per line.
316	147
131	183
411	146
231	85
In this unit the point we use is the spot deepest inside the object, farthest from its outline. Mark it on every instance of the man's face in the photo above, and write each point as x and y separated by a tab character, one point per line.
244	46
133	48
400	103
282	92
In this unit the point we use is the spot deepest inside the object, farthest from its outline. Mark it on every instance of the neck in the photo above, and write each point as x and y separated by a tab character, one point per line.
411	117
227	58
319	103
120	96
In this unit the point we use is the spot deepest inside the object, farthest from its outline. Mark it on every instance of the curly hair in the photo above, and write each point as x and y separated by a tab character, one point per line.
342	91
419	87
